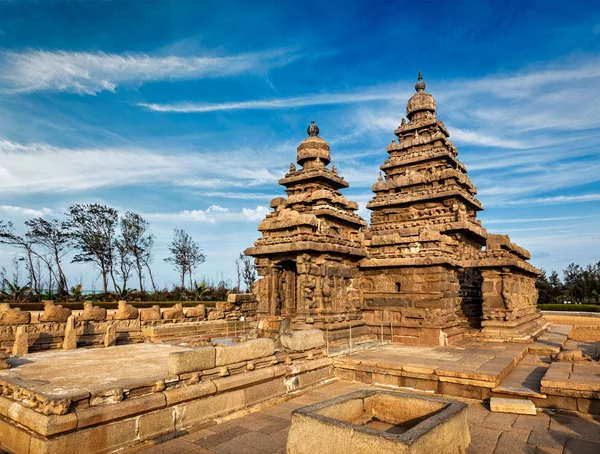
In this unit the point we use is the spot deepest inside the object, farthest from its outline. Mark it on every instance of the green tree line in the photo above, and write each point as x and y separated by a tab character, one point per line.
578	285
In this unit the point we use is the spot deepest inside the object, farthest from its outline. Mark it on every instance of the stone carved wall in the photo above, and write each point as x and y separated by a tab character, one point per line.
92	323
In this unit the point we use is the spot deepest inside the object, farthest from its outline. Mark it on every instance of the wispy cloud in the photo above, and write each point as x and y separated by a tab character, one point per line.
554	200
277	103
88	73
39	167
542	219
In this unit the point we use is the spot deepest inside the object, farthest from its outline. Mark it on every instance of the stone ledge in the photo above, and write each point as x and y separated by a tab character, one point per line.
245	351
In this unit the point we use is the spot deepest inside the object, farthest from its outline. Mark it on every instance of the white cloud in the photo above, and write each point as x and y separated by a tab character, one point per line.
217	208
22	211
212	214
256	214
88	73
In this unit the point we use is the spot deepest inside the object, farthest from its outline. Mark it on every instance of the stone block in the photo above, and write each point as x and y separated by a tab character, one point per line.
174	313
126	408
156	423
517	406
92	313
192	360
244	351
40	423
13	438
245	379
70	340
110	337
264	391
298	341
315	376
13	316
198	311
198	411
216	315
21	343
54	313
100	439
150	314
190	392
127	312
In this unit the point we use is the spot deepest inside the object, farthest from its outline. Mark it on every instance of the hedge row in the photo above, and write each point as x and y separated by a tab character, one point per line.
570	307
74	306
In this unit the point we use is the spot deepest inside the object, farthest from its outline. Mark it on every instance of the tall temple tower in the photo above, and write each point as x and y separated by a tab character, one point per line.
307	258
429	271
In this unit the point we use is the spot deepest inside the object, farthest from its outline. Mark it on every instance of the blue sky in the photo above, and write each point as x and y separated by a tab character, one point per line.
189	112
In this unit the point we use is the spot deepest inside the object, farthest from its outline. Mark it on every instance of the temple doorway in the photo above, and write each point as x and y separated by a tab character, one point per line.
471	310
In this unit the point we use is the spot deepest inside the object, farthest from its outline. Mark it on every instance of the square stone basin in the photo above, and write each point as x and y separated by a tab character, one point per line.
377	421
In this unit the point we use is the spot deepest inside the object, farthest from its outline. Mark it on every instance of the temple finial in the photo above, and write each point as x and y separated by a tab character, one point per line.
420	85
313	129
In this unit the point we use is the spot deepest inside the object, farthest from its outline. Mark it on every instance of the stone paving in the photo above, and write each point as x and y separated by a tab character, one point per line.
265	431
463	360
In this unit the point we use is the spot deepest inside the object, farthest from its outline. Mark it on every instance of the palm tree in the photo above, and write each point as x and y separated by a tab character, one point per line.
200	291
15	293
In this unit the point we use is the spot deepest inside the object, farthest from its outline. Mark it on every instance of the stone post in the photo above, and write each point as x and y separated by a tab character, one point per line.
110	338
70	342
21	344
3	363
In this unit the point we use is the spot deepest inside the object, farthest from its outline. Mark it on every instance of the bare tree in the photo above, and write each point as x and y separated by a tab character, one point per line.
186	255
124	263
93	229
8	236
2	279
238	271
139	244
248	271
54	239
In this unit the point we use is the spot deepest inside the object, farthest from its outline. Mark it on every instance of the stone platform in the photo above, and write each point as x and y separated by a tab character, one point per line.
105	400
467	369
74	374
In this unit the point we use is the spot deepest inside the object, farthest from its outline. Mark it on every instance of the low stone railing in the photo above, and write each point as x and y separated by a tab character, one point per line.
23	331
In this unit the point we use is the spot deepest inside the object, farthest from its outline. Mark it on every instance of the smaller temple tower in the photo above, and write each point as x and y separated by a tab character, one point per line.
307	258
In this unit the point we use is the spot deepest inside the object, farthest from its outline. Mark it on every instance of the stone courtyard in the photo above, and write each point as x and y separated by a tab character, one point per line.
265	430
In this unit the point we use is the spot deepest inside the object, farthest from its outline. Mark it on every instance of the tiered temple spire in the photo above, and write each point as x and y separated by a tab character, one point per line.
311	243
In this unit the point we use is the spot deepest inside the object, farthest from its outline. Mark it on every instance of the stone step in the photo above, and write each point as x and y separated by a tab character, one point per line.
525	379
518	406
552	341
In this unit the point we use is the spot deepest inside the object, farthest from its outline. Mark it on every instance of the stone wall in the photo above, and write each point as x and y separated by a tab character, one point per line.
46	330
412	305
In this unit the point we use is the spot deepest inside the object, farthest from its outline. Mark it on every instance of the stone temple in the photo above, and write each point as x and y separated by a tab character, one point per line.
305	364
424	271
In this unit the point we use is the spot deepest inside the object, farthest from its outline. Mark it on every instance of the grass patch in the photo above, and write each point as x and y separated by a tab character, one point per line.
570	307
